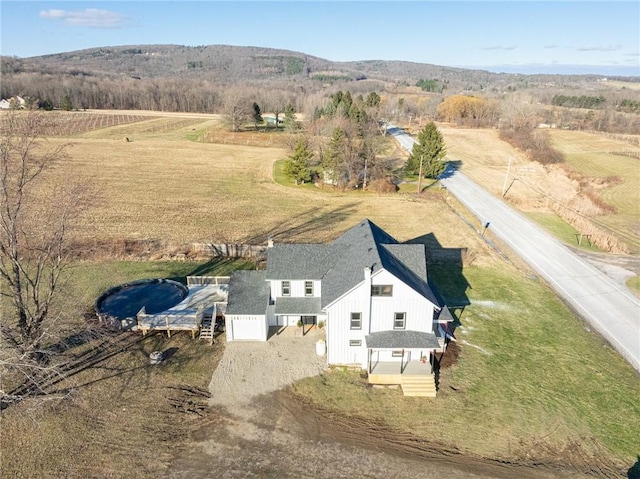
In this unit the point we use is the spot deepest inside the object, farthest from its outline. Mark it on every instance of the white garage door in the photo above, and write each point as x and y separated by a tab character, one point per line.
248	329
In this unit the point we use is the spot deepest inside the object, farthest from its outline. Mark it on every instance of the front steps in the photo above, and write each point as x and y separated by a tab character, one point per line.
423	385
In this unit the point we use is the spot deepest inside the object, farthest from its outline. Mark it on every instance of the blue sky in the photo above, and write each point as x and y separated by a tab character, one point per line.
512	36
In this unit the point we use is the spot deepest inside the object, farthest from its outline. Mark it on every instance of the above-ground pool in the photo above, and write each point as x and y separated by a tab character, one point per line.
125	301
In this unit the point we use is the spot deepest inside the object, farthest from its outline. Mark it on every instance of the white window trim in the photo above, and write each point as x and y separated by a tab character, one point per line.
404	321
310	284
381	288
359	321
282	285
355	342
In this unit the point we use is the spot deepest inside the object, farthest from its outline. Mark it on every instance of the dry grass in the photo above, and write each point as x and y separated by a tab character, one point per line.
593	181
182	191
123	418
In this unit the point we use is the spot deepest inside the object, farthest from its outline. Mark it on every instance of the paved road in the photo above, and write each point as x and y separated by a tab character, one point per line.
610	308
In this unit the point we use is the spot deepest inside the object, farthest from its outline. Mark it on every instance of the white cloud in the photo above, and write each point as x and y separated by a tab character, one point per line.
498	47
600	48
89	17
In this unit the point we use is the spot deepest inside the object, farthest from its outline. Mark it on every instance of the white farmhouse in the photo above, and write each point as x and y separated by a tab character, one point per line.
370	291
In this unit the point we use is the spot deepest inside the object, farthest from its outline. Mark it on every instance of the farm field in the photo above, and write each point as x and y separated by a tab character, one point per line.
531	385
176	190
604	160
590	164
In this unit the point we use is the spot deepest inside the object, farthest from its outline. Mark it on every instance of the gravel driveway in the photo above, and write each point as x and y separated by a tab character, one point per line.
249	369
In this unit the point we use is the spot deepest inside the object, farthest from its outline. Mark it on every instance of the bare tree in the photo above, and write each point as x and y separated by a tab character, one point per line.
237	108
35	216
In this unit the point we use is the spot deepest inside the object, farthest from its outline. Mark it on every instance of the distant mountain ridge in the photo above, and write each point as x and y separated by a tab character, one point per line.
227	63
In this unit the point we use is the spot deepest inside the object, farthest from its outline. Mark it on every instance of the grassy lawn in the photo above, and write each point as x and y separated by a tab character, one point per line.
530	380
122	417
634	285
561	230
595	156
611	177
282	179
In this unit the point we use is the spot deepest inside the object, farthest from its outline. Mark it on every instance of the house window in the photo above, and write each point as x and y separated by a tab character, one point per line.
355	342
399	320
356	320
308	288
397	354
382	290
286	288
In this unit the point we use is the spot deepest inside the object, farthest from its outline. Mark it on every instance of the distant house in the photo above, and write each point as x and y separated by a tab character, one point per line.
13	102
370	291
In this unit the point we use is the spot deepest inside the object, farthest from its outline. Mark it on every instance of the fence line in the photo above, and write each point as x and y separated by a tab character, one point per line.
232	250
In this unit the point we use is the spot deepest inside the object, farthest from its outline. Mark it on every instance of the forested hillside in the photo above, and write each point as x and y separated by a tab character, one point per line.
208	78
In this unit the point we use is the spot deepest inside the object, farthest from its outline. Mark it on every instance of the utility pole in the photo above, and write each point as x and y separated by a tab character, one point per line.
506	178
420	175
364	183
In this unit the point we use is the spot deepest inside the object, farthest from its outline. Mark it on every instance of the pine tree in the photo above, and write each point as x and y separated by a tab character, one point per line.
257	115
430	149
66	103
297	165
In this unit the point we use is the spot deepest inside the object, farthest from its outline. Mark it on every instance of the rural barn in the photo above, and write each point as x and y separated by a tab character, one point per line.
246	317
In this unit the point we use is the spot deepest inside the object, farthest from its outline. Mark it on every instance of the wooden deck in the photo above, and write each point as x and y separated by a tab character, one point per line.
207	298
416	378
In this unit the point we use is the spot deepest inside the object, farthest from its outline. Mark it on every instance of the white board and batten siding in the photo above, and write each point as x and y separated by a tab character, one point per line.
377	313
297	288
244	327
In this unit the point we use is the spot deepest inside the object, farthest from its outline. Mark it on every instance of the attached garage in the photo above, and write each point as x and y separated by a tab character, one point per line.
246	328
246	314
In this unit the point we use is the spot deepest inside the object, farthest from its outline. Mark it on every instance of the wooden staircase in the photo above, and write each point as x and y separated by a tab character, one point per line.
206	330
423	385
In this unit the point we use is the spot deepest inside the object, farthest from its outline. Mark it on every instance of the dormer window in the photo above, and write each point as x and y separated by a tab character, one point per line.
308	288
382	290
286	288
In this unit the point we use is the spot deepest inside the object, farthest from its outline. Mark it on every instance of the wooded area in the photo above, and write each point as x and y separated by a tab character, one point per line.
212	79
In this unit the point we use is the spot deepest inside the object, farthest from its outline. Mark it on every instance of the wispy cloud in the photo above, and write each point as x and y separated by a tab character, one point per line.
600	48
89	17
498	47
551	46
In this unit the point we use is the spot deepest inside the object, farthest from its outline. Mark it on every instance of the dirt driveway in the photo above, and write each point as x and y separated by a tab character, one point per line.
257	429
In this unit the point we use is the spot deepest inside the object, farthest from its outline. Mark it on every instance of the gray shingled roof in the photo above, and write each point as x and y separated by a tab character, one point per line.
300	261
248	293
298	306
341	264
401	340
370	246
412	255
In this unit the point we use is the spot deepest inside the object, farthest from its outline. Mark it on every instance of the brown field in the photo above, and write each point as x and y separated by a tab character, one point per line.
596	181
167	187
560	399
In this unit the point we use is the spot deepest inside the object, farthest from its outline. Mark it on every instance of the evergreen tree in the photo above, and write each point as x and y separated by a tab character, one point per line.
373	99
333	158
290	116
430	149
257	115
66	103
296	166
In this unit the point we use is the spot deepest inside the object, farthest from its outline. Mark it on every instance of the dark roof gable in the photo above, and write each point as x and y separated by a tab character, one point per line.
340	265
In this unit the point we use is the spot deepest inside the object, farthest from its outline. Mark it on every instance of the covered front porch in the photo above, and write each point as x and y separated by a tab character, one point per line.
405	358
391	372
